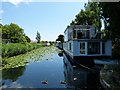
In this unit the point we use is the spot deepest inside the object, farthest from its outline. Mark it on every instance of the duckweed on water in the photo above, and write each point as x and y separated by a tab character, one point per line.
32	56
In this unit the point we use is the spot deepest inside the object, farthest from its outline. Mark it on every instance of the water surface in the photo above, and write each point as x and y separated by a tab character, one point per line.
54	68
50	68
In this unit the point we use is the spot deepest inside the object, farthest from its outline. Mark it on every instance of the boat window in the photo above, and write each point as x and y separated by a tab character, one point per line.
82	48
93	47
83	34
74	33
79	34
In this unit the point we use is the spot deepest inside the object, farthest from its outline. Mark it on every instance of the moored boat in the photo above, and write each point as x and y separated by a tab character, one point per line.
84	42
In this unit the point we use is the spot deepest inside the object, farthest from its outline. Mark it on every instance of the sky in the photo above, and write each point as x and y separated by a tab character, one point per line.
50	19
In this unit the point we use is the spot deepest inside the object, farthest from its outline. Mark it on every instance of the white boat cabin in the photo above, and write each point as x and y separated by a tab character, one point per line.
84	40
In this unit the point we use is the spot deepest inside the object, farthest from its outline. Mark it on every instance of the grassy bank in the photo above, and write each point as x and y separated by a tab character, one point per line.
13	49
32	56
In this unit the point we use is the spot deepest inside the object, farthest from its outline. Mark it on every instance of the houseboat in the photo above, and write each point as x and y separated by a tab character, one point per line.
84	41
59	45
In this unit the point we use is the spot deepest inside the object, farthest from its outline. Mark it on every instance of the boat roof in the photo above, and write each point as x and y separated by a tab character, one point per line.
79	26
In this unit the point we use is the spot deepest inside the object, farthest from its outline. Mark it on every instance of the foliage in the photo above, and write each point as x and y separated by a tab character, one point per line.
38	37
60	38
89	16
116	51
1	25
13	49
13	33
111	17
32	56
13	73
27	38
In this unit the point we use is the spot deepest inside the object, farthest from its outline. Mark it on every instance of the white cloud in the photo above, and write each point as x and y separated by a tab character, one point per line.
17	2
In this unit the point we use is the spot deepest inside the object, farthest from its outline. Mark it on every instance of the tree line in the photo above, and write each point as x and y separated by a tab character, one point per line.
19	42
14	34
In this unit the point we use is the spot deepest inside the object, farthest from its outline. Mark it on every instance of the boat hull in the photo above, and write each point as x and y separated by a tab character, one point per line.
78	60
86	60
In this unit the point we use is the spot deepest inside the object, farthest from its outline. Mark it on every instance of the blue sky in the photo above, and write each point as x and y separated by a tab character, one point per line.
48	18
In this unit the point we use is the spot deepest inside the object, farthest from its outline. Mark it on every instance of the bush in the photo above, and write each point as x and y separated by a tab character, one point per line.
13	49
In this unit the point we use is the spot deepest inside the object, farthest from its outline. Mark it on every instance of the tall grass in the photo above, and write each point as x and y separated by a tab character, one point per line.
13	49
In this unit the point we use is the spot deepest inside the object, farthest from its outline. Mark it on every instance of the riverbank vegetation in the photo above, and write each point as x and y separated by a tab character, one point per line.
32	56
12	33
13	49
15	41
14	44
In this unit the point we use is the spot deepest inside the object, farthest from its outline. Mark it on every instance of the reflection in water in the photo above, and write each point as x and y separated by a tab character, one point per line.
13	73
52	71
60	54
79	77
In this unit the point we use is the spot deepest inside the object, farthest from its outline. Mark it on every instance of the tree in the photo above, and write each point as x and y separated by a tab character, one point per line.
111	17
38	37
1	32
27	38
1	25
72	23
60	38
89	16
14	33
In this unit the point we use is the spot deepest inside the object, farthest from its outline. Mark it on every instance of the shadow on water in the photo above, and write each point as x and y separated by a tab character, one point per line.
60	54
80	78
13	74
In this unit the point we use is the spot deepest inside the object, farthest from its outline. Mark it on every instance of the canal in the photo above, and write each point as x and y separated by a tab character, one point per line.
54	70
